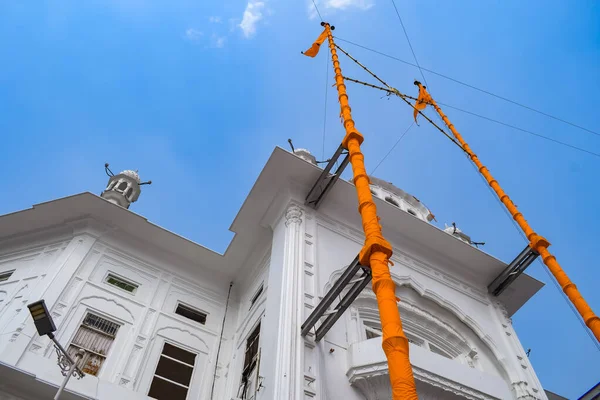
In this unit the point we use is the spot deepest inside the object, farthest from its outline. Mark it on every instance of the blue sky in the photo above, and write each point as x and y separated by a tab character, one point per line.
195	94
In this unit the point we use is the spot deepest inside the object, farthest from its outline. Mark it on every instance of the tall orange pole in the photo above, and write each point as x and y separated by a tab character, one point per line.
376	250
536	242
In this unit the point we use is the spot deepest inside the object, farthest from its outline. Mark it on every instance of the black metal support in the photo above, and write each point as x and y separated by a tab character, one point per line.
512	272
326	180
336	312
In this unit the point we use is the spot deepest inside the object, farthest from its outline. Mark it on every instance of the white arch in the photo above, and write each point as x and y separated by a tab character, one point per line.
423	291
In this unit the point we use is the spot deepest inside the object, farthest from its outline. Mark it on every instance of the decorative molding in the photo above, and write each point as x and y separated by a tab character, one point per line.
148	321
118	254
179	286
176	328
522	391
374	382
450	386
419	322
400	257
117	293
293	215
81	301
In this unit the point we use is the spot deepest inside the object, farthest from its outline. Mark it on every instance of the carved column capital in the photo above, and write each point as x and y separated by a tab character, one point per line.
293	215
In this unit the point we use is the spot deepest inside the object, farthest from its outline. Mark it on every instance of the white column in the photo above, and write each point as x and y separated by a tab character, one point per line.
288	374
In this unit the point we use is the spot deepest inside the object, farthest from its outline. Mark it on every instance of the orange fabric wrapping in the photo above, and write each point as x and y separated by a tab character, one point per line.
422	101
536	242
376	250
314	49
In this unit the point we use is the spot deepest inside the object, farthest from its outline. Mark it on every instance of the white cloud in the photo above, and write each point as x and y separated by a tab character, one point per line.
218	41
215	20
344	4
252	15
328	6
193	34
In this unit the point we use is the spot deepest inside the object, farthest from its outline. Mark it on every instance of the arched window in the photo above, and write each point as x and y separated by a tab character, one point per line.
129	193
122	186
392	201
411	212
424	324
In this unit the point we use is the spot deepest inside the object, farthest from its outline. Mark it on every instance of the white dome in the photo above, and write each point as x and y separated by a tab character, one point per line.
132	174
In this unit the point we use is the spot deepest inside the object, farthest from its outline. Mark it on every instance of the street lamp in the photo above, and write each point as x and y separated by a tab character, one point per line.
45	326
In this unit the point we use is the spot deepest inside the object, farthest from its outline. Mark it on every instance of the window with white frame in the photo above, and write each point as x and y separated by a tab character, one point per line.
191	313
4	276
95	336
121	283
391	200
251	356
373	330
173	374
256	296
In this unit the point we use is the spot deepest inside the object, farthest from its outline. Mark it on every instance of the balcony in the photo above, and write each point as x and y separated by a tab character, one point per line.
435	375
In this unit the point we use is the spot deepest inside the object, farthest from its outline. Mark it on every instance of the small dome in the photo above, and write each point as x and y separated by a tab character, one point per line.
305	155
388	192
132	174
454	231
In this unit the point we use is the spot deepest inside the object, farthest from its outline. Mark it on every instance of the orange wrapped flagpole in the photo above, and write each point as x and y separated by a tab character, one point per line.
536	242
376	250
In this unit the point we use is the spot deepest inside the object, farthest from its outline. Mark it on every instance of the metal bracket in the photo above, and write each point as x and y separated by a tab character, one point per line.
326	180
512	272
336	312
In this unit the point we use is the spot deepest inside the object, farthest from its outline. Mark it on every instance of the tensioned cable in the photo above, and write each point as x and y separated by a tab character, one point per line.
392	149
394	91
471	86
409	43
404	97
556	285
317	9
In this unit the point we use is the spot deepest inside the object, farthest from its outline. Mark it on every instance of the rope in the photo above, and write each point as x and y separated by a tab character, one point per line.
409	44
518	229
393	147
404	97
317	9
391	91
471	87
363	67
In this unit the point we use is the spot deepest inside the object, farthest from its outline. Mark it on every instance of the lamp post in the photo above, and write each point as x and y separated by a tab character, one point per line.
45	326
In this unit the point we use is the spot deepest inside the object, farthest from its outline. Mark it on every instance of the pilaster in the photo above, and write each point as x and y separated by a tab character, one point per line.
524	382
59	275
280	333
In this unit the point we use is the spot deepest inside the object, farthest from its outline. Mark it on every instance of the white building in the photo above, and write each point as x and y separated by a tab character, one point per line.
157	317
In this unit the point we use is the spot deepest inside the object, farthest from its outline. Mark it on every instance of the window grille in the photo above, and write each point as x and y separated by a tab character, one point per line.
250	363
95	336
173	374
121	283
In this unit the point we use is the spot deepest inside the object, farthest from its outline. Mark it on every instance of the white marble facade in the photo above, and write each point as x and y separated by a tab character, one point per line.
463	345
